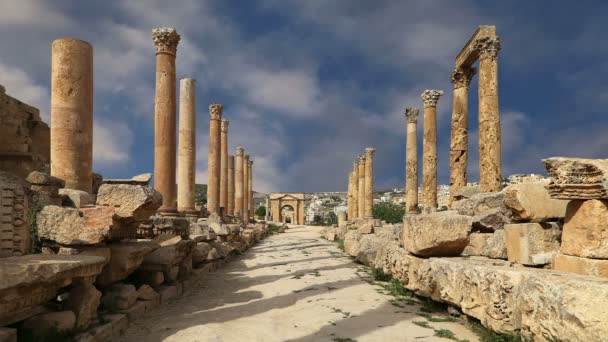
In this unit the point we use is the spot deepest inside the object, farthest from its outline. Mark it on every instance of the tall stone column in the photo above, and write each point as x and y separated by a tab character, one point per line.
224	166
461	78
250	189
72	113
246	188
166	40
187	145
349	196
238	183
411	162
267	217
489	115
361	187
230	198
429	147
369	182
355	190
213	163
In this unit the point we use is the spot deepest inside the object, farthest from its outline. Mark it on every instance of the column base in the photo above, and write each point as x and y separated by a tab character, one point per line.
189	212
167	211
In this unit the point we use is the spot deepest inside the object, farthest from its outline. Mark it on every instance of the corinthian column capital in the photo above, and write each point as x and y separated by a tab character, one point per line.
431	97
411	114
461	77
224	126
361	160
166	40
369	151
240	151
215	111
487	47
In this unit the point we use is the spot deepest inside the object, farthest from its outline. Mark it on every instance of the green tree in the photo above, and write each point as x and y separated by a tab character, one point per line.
389	212
317	220
200	194
331	218
260	211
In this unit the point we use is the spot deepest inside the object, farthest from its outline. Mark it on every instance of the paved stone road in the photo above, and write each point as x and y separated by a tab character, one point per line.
290	287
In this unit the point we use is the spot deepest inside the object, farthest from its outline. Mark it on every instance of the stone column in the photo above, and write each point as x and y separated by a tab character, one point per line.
361	188
461	78
213	163
411	162
250	189
224	166
72	113
349	196
245	212
166	40
187	146
230	198
355	190
429	147
369	182
341	218
267	217
489	115
238	184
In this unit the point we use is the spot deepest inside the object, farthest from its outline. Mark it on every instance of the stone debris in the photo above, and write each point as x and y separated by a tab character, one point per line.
76	198
71	226
41	178
586	229
439	234
136	202
533	243
577	178
125	258
142	180
491	245
584	266
532	202
119	297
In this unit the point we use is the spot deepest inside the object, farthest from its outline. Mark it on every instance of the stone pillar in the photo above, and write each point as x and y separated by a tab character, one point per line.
361	187
411	162
224	166
489	115
369	182
355	190
213	163
267	217
349	196
341	218
230	198
238	183
72	113
461	78
245	213
429	147
187	146
166	40
250	189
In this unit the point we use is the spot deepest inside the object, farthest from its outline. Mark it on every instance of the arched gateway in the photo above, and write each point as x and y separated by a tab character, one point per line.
287	207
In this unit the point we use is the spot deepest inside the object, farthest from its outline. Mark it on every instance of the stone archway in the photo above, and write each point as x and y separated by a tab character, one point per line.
281	201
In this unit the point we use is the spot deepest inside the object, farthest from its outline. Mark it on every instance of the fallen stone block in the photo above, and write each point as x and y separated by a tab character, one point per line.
142	180
532	202
137	202
438	234
491	245
48	324
70	226
119	297
577	178
586	229
366	228
487	209
466	192
200	253
145	292
125	258
532	243
200	232
584	266
101	251
76	198
351	243
173	250
41	178
171	225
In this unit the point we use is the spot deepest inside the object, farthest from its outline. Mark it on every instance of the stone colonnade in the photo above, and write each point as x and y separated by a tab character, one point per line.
360	195
187	146
411	162
72	113
245	210
166	40
429	146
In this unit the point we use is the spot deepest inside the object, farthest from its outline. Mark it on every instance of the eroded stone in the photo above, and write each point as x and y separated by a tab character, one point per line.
532	243
438	234
532	202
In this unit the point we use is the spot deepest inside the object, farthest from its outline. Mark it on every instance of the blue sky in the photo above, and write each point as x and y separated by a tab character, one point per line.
307	85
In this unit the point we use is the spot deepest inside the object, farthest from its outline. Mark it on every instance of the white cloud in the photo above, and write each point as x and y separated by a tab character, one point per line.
112	141
22	87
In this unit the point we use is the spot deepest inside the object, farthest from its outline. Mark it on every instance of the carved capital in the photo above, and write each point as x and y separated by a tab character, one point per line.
487	47
356	163
431	97
250	162
240	151
411	114
361	160
461	77
224	126
369	151
246	158
166	40
215	110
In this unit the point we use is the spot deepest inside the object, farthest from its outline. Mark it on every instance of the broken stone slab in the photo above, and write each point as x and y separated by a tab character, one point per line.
366	228
46	324
76	198
351	242
532	202
220	229
491	245
577	178
41	178
584	266
532	243
490	220
172	251
200	231
14	209
137	202
146	292
488	210
143	179
173	225
119	297
223	249
442	233
466	192
102	251
586	229
125	258
29	281
71	226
